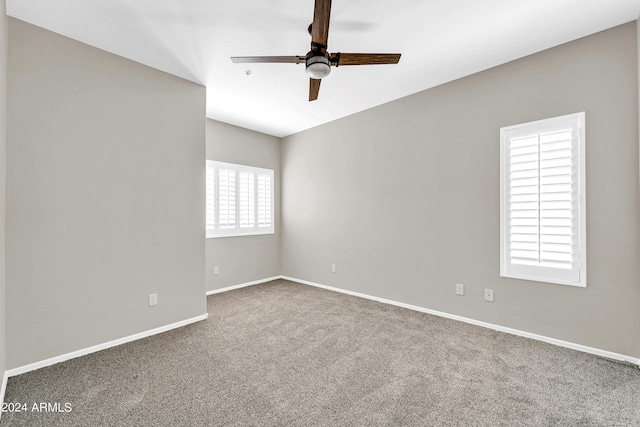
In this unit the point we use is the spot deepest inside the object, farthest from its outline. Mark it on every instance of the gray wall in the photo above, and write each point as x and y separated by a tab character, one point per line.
105	196
3	168
247	258
404	198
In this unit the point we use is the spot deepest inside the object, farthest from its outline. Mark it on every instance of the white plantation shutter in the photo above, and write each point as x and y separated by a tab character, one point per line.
557	193
265	201
542	199
226	198
247	199
239	200
524	198
210	198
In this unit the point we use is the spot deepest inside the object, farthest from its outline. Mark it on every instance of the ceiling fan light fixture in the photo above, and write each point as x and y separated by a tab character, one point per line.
318	65
317	61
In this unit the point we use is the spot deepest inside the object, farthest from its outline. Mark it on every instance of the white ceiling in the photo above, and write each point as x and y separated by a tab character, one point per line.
440	40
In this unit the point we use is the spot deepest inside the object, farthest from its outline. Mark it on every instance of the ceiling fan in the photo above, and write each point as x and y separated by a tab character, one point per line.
318	61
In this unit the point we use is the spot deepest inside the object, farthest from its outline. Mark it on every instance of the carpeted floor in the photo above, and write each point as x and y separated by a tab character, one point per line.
281	353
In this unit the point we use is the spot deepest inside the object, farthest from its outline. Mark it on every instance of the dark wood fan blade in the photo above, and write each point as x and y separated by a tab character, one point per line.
339	59
320	25
314	89
268	59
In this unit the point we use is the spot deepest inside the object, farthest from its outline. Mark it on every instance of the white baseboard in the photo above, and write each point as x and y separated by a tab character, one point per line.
103	346
561	343
243	285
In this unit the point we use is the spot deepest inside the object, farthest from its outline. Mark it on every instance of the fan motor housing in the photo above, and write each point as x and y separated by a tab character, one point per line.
318	64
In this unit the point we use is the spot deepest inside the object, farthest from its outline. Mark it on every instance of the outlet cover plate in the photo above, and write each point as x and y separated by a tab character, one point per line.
488	295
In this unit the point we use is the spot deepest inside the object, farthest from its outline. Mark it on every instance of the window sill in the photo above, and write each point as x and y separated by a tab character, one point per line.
544	280
266	233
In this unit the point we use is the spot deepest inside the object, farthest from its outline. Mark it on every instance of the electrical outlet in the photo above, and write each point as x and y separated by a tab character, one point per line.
488	295
333	268
216	270
459	289
153	299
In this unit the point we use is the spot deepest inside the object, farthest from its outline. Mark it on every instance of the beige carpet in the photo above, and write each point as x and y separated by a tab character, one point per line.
282	353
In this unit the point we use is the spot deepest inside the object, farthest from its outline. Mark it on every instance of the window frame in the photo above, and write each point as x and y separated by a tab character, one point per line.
538	273
237	231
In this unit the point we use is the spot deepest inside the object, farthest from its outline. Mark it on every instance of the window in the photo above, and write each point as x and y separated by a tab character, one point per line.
542	201
239	200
